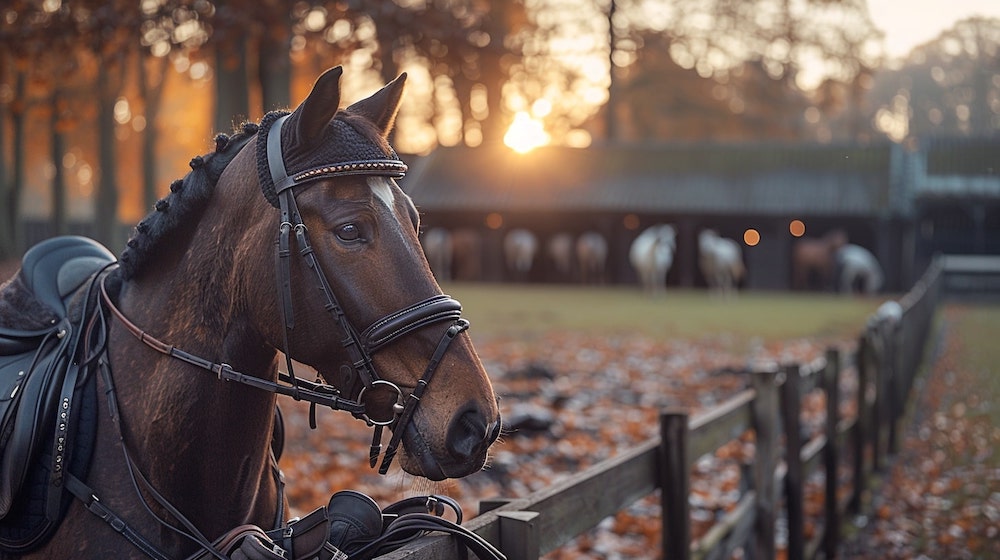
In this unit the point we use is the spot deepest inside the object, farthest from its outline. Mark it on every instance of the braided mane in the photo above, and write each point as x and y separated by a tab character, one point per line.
184	203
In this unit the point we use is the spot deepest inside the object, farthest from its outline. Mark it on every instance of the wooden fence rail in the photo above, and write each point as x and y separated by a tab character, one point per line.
846	449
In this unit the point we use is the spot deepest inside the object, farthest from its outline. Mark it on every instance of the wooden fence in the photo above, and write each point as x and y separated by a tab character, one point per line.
845	449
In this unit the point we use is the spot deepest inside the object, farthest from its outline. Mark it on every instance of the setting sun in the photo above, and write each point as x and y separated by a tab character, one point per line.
525	133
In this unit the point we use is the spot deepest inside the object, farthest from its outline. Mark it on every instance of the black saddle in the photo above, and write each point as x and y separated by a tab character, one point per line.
44	392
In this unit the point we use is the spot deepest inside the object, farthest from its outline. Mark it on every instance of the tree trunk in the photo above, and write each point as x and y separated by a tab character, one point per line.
232	102
60	224
13	196
610	113
106	207
493	76
7	214
153	95
386	56
275	66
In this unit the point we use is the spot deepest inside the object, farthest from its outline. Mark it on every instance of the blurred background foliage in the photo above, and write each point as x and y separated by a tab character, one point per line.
103	102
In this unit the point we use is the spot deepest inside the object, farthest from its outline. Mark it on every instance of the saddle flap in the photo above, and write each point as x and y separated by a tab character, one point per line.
30	384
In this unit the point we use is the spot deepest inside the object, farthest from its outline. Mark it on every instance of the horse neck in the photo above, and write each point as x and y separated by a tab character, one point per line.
216	434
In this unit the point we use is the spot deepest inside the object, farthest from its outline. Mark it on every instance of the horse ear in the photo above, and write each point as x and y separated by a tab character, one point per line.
381	107
320	106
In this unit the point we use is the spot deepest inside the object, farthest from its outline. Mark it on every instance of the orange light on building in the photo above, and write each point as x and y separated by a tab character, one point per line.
797	228
751	237
631	222
494	220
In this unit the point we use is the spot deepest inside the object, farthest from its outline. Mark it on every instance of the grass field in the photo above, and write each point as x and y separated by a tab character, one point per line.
530	310
978	330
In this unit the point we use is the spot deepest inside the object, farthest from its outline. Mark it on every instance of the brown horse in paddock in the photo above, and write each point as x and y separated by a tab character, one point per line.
439	249
560	252
813	260
592	255
467	254
292	236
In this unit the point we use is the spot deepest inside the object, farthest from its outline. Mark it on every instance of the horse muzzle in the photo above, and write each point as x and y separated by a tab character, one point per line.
462	452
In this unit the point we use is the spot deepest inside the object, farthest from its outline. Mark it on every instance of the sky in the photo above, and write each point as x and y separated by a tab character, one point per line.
913	22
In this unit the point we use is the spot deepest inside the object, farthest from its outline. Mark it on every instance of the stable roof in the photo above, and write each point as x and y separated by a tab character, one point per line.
763	179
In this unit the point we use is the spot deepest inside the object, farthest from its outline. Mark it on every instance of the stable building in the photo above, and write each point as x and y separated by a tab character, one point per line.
901	203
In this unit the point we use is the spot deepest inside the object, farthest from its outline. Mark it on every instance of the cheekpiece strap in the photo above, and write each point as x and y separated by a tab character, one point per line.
275	159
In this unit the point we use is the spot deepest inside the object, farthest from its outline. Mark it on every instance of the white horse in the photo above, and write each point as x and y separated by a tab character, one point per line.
651	255
721	262
591	253
859	270
439	249
520	246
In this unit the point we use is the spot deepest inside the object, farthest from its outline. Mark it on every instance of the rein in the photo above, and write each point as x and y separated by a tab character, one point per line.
315	393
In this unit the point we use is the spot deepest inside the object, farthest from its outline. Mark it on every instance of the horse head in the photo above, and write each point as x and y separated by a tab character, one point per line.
359	301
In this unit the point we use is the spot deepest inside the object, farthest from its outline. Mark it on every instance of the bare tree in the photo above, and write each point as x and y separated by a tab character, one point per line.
948	86
757	55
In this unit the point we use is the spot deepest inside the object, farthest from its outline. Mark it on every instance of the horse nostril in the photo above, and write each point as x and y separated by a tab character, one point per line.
468	436
495	433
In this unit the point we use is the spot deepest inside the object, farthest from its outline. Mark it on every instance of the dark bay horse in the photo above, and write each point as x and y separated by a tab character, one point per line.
813	260
292	238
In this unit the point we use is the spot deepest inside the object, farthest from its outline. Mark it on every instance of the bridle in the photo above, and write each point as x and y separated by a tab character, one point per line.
360	347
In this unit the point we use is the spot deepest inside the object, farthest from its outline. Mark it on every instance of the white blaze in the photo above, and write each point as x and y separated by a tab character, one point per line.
382	189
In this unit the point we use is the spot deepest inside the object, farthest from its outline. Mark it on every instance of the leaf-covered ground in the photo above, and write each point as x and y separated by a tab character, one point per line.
578	399
940	497
585	397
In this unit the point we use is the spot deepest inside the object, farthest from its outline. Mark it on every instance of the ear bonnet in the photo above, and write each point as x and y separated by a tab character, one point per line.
343	150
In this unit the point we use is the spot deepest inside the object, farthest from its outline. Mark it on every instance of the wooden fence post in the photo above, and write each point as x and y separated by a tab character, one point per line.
894	408
880	408
862	423
675	485
831	386
791	406
764	410
519	539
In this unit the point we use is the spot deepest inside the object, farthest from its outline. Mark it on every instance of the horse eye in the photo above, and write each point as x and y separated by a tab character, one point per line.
349	232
